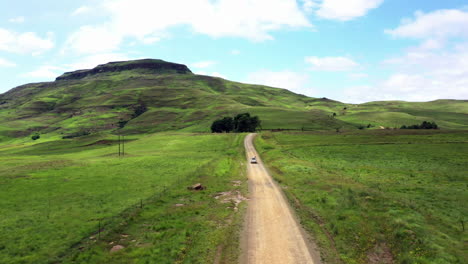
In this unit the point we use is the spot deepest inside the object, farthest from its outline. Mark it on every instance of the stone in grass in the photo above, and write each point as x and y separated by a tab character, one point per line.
197	187
116	248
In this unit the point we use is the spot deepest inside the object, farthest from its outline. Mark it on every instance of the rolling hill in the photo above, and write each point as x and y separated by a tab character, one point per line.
149	95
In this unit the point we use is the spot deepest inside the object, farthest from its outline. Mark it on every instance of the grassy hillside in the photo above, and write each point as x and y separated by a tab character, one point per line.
449	114
96	100
376	196
54	196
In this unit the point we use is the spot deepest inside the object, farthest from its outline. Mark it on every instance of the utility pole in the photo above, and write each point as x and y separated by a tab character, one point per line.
118	139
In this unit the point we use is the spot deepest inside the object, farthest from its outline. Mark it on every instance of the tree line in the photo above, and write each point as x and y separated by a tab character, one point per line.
423	125
240	123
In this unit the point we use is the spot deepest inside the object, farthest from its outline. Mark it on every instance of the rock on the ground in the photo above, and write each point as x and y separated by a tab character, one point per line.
197	187
117	248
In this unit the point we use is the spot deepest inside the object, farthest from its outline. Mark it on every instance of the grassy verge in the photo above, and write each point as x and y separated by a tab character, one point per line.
376	196
55	196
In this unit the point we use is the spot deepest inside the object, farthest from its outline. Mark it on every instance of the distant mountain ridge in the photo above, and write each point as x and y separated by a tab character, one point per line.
145	96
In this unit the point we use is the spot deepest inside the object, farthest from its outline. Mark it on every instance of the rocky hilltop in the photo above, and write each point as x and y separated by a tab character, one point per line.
144	66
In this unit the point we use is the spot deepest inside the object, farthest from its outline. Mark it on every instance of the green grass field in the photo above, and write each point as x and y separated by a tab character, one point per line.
54	196
365	191
376	196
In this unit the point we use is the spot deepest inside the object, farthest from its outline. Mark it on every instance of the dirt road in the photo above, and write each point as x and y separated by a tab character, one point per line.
271	233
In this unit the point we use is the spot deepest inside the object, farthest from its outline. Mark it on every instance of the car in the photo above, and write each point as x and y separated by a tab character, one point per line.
253	160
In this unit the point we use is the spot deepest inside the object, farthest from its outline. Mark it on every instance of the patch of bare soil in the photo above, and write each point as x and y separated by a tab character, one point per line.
236	183
380	254
234	197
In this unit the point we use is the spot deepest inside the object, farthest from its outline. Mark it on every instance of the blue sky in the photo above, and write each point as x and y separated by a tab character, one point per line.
349	50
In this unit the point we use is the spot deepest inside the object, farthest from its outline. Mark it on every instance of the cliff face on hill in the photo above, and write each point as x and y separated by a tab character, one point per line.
146	65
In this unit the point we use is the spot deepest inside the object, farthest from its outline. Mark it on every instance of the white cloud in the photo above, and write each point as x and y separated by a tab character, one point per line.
440	24
432	63
235	52
293	81
345	10
6	63
309	5
356	76
203	64
432	70
409	87
94	39
18	20
431	44
420	75
238	18
44	72
25	43
92	61
404	83
81	10
251	19
150	40
461	47
331	63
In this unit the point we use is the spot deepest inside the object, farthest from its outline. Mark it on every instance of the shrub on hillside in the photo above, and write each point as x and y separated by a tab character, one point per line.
139	109
36	136
122	123
423	125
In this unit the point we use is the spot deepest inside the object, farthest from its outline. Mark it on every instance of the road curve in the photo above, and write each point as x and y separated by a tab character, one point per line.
271	232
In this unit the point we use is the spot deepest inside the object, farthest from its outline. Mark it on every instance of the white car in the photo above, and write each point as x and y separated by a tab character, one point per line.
253	160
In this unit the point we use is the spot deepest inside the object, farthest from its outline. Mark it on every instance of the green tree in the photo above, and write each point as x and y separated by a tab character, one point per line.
246	123
228	124
223	125
217	127
240	123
